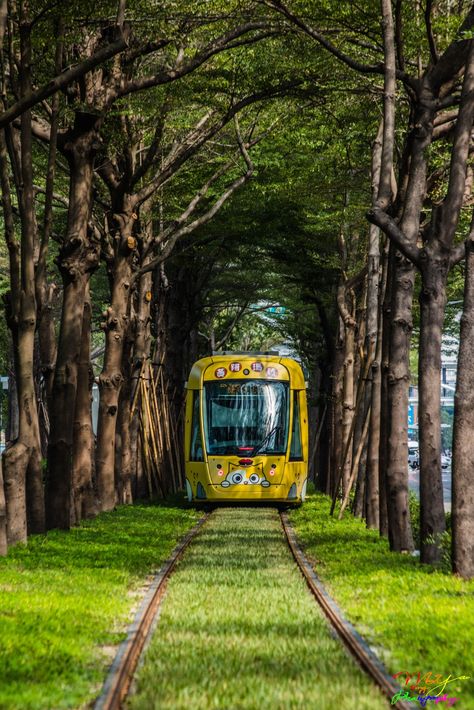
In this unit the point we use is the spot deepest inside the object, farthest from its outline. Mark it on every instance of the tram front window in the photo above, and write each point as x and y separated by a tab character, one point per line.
246	418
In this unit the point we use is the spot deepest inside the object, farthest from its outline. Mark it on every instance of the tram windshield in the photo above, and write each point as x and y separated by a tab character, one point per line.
246	418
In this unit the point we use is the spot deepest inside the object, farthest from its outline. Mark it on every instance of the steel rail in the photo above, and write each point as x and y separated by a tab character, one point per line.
120	676
352	640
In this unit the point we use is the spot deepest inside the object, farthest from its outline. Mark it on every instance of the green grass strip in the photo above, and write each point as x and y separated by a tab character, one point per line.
239	629
66	600
418	618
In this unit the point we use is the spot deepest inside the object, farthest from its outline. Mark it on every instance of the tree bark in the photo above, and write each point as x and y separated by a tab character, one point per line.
79	256
374	296
463	443
3	517
347	388
434	271
380	384
83	500
336	411
111	377
22	461
141	353
400	535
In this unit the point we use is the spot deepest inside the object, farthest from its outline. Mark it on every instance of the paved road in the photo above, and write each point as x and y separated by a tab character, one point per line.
414	484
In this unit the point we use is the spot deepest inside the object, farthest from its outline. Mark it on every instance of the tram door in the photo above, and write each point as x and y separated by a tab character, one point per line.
196	466
297	464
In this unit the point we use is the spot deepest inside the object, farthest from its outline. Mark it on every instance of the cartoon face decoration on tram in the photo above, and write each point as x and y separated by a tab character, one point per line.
241	477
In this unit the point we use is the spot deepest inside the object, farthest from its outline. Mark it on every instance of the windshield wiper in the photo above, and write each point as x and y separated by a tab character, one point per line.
260	446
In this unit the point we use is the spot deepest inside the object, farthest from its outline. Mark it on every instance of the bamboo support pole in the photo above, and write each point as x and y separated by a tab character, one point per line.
355	463
318	436
348	443
151	434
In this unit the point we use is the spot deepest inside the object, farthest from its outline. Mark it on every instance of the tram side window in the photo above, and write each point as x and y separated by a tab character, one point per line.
196	453
296	450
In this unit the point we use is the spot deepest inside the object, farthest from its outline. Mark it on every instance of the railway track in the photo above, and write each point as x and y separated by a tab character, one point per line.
120	677
351	639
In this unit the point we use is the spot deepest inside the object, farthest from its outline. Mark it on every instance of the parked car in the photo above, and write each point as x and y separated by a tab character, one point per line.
413	454
445	462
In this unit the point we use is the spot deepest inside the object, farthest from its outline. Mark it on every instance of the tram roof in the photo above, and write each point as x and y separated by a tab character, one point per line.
292	369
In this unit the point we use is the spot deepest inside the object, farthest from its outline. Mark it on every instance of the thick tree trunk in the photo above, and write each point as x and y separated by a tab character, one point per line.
22	469
14	464
432	305
111	377
22	462
60	449
78	258
463	443
172	326
83	502
400	535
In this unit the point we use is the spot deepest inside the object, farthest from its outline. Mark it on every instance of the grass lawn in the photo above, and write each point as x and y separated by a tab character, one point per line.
66	601
416	617
239	629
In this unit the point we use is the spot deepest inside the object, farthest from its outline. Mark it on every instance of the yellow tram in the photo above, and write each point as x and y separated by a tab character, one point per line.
246	429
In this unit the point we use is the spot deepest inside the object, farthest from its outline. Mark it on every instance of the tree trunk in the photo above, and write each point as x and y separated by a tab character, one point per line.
373	388
434	272
463	442
376	497
383	351
3	517
22	462
13	414
400	535
336	410
47	340
141	353
347	402
111	377
124	464
83	502
78	257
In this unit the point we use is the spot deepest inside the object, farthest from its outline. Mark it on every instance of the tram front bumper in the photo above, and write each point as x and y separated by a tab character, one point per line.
282	493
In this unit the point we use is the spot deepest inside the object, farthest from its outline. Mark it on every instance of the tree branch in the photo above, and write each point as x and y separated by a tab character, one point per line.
199	221
384	193
63	79
201	133
238	316
152	151
324	42
452	61
429	32
458	254
462	140
226	41
381	219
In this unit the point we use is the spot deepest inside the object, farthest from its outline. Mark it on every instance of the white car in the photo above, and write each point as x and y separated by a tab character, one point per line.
413	454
